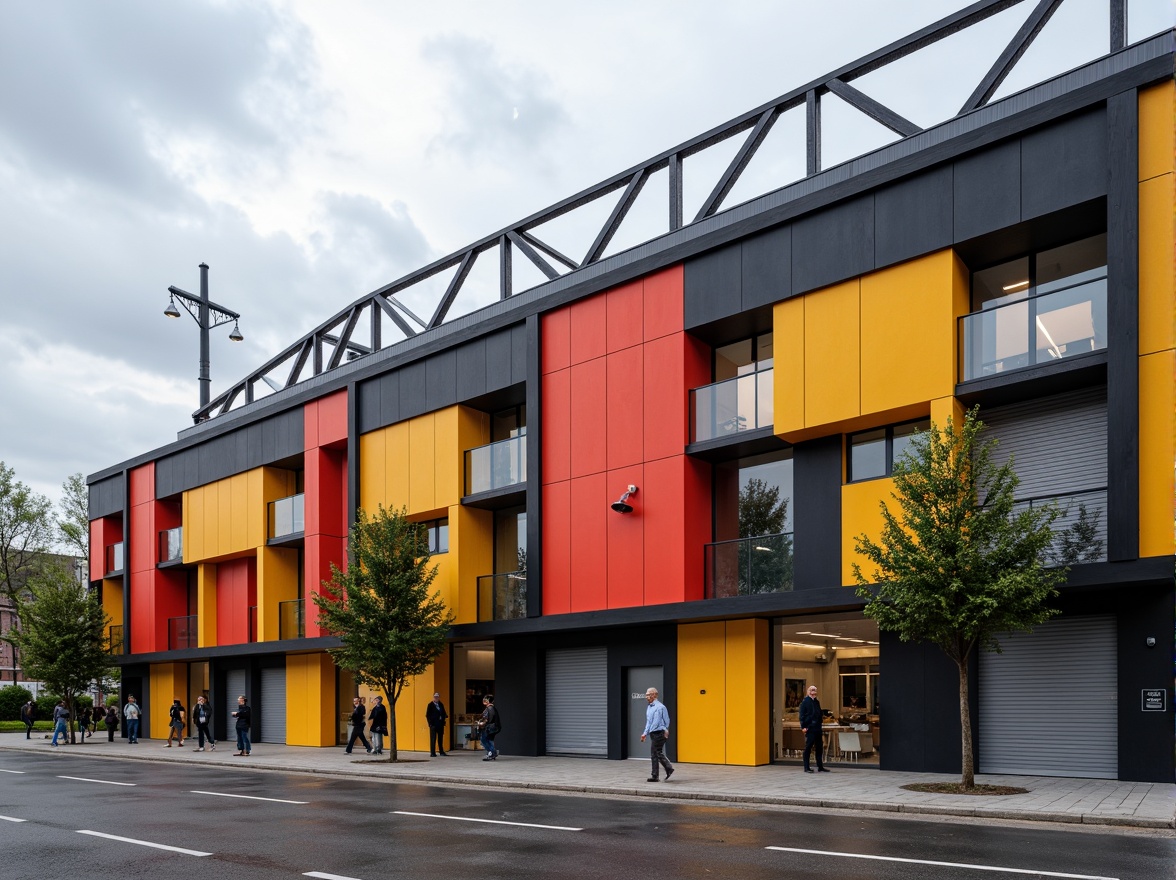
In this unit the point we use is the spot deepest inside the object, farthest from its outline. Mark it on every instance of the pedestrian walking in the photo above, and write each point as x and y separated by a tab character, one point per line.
111	721
358	713
60	720
28	712
435	716
489	727
202	718
657	728
243	716
84	722
175	727
379	722
132	713
811	717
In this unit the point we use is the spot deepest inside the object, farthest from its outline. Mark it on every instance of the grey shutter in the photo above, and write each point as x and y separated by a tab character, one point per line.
234	687
1049	704
577	702
272	707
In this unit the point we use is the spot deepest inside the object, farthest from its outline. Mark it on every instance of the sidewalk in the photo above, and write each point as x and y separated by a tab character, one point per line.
1050	799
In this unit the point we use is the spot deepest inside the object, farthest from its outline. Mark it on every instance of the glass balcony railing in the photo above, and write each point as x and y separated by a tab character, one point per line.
114	640
502	596
291	623
287	516
114	558
496	465
181	632
171	545
731	406
749	566
1080	532
1038	330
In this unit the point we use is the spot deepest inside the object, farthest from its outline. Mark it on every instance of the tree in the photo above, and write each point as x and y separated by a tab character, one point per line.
767	564
26	532
380	608
958	565
73	525
61	635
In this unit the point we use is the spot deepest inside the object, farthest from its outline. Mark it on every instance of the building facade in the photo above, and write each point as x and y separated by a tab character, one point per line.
650	469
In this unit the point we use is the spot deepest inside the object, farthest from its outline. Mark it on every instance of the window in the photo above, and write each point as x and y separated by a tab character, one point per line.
872	454
437	531
743	357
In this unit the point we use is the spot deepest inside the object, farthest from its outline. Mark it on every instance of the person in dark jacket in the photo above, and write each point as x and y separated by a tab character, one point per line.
111	722
243	716
84	722
379	719
489	727
27	713
358	713
175	727
202	718
435	716
810	723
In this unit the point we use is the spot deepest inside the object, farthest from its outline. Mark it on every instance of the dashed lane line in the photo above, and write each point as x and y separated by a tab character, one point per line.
845	855
20	772
12	819
248	797
487	821
178	849
324	876
101	781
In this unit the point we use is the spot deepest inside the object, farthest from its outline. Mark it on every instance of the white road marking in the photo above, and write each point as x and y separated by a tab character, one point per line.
328	876
487	821
179	849
845	855
248	797
12	819
103	781
21	772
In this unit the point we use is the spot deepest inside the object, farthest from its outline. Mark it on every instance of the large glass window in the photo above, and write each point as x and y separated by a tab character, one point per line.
752	550
872	454
740	398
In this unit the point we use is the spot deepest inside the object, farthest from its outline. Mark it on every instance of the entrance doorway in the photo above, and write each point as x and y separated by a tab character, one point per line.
638	679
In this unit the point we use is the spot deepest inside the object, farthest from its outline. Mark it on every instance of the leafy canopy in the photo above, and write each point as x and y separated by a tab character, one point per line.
26	532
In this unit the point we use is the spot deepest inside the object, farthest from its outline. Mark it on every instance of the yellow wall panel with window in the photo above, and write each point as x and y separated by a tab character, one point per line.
310	700
169	681
277	581
860	514
471	555
230	517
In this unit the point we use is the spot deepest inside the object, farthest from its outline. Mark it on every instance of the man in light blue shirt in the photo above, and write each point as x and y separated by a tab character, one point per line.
657	728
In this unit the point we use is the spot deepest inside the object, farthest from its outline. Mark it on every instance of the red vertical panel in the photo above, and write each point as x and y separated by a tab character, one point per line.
557	426
587	329
557	560
626	407
696	496
236	593
555	340
312	485
626	540
589	556
663	303
143	624
662	503
665	398
331	419
624	322
310	435
97	549
142	484
589	422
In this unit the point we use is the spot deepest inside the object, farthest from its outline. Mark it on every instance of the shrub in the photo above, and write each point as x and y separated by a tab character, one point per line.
12	698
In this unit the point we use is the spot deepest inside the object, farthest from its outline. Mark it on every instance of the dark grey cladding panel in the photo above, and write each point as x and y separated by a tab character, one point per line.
191	468
913	217
816	467
269	440
712	285
833	244
389	398
1064	164
441	379
414	400
106	497
767	268
499	360
369	406
987	190
518	352
471	369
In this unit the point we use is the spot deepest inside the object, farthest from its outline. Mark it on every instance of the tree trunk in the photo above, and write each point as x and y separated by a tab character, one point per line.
391	731
967	776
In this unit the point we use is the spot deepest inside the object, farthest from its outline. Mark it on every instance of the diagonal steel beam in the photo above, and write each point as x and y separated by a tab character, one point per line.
299	362
531	254
878	112
1012	53
731	175
343	340
383	303
541	245
620	209
467	263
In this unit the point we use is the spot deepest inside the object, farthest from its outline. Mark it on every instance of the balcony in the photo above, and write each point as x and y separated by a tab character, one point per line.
114	640
749	566
1042	329
502	596
726	408
181	632
171	545
114	558
1080	533
291	619
496	466
287	517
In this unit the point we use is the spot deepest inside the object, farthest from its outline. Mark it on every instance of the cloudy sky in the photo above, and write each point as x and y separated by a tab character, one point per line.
311	152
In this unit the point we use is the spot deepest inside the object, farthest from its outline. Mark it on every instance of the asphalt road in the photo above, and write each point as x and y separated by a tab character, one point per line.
61	817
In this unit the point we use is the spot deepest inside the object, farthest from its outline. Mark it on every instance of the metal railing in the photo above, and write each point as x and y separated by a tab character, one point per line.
733	405
502	596
114	640
181	632
748	566
1036	330
171	544
1080	532
287	516
496	465
114	558
291	620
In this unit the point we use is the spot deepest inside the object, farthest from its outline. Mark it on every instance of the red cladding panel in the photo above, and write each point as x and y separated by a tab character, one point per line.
697	495
325	420
142	484
318	554
168	515
625	425
624	309
663	303
590	504
587	329
555	340
236	592
325	491
557	536
557	426
662	505
626	540
589	427
665	410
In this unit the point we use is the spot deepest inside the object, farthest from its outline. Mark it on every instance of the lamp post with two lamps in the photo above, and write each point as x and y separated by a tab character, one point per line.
207	315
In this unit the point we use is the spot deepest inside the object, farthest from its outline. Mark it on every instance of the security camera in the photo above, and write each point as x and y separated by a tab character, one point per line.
1151	641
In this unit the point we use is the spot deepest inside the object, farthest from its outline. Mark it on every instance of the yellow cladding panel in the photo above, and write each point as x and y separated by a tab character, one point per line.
1157	130
422	477
832	375
192	520
908	351
860	513
944	408
699	733
229	517
412	733
206	605
398	467
277	581
373	469
112	601
310	700
747	690
169	681
471	555
1157	451
447	458
788	378
1157	264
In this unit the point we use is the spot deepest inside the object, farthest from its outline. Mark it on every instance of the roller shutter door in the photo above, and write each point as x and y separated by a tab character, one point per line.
273	705
234	687
577	702
1049	704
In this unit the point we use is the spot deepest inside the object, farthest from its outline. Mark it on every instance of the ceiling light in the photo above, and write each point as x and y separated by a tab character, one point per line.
1016	285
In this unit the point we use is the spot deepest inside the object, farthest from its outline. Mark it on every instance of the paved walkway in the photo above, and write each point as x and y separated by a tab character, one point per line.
1050	799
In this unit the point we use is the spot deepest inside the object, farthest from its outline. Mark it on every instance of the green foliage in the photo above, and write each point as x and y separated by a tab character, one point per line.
73	526
15	726
764	566
1080	542
45	704
26	532
380	608
12	698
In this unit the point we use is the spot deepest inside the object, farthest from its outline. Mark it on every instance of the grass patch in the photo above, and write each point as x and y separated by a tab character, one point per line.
14	726
958	788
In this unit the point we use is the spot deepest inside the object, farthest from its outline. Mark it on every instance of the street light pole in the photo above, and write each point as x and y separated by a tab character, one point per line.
207	315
